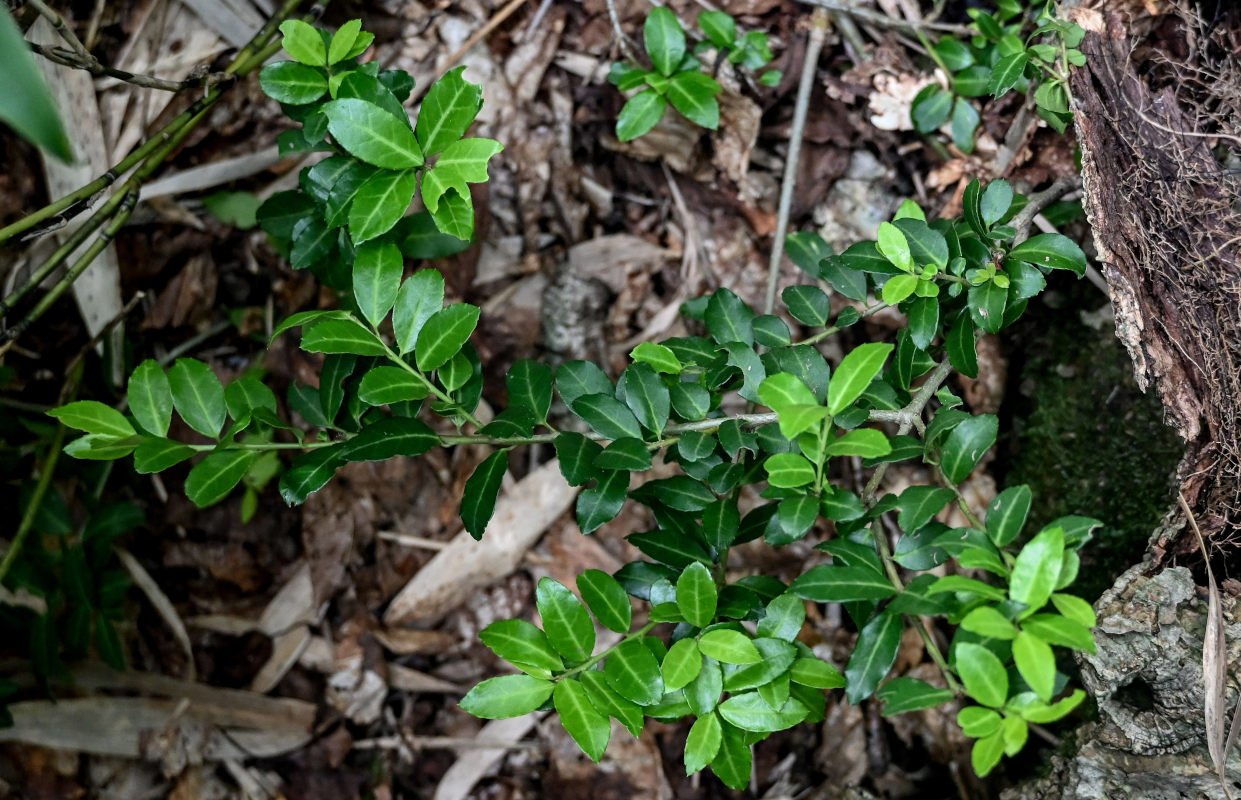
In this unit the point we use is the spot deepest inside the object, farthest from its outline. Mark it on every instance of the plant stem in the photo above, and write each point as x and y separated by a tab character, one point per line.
590	662
913	410
395	358
36	499
818	31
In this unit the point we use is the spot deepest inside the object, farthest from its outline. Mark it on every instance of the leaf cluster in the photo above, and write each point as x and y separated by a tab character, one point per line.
1011	50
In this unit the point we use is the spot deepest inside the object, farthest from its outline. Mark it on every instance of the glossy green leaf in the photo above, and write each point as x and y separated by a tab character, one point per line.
198	396
987	621
920	504
529	385
383	386
302	41
986	754
214	477
749	712
338	336
246	395
642	390
960	583
703	744
777	657
577	454
520	642
734	761
873	656
693	94
729	319
601	503
864	442
923	317
986	306
377	271
1052	250
373	135
565	620
696	596
478	501
463	162
609	702
1036	663
1006	73
633	673
606	599
995	201
507	696
783	619
447	111
664	39
703	693
292	83
966	445
1037	569
902	695
1006	515
729	647
380	203
420	297
898	289
607	415
809	305
388	438
589	728
444	334
309	473
855	373
789	470
659	357
681	665
640	114
1075	609
836	584
26	104
157	455
92	416
816	673
577	378
455	215
721	30
1062	631
982	673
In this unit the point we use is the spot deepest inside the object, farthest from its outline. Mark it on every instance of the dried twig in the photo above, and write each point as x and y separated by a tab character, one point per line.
884	21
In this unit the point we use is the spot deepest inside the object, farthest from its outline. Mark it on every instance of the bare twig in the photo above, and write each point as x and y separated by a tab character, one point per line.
1039	201
199	77
818	31
622	38
884	21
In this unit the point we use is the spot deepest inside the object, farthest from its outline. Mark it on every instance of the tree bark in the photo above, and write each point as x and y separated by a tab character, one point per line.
1158	114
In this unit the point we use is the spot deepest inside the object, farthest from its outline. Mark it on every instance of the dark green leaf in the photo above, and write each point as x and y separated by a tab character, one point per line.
986	306
733	762
607	416
372	134
529	385
693	94
664	39
721	30
380	202
198	396
575	379
965	119
1006	515
589	728
923	316
633	673
26	104
631	455
640	114
577	455
835	584
1051	250
966	445
750	712
157	455
919	504
388	438
611	703
447	112
771	331
309	473
1006	73
972	81
565	620
926	245
961	349
931	108
873	656
444	334
646	395
214	477
478	501
809	305
606	599
729	319
902	695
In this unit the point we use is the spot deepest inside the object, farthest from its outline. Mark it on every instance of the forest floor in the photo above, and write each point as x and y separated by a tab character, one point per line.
586	246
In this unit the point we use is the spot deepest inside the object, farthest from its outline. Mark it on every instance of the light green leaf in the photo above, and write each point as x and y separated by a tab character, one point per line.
335	336
658	356
589	728
455	215
303	42
463	162
507	696
1075	609
665	40
789	470
388	438
444	334
987	621
816	673
26	104
214	477
893	245
1036	663
696	596
447	112
565	620
864	442
157	455
343	41
383	386
729	319
729	647
633	673
1006	73
986	753
92	416
704	741
520	642
1037	570
640	114
983	674
377	272
855	373
783	619
373	135
1062	631
478	501
681	665
198	396
920	504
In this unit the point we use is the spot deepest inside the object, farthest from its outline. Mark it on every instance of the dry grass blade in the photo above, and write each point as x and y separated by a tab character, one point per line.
1214	661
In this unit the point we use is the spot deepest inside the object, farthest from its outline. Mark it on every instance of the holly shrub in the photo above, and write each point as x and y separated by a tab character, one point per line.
755	419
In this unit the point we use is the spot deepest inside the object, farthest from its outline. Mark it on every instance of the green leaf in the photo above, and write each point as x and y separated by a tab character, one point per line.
1041	713
784	618
986	306
864	442
246	395
444	334
898	288
931	108
1016	732
696	596
1006	515
377	271
855	373
343	41
965	119
923	317
312	242
835	584
565	620
1075	609
421	239
893	245
383	386
987	621
729	647
1037	569
693	94
777	657
92	416
996	201
966	445
721	29
26	104
640	114
606	599
157	455
507	696
455	215
380	202
789	470
611	703
336	336
816	673
659	357
873	656
665	40
926	245
750	712
589	728
601	503
478	502
607	416
577	455
575	379
1006	73
463	162
986	753
729	319
959	583
373	135
198	396
420	297
520	642
705	734
633	673
309	473
809	305
292	83
1051	250
1036	663
902	695
303	42
630	455
983	674
447	112
703	693
529	385
214	477
920	504
972	81
681	665
962	353
646	395
388	438
733	763
977	722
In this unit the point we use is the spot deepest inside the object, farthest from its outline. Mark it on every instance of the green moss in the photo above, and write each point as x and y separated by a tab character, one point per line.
1085	439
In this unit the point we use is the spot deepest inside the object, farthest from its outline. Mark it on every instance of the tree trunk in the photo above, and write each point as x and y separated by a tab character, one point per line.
1158	111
